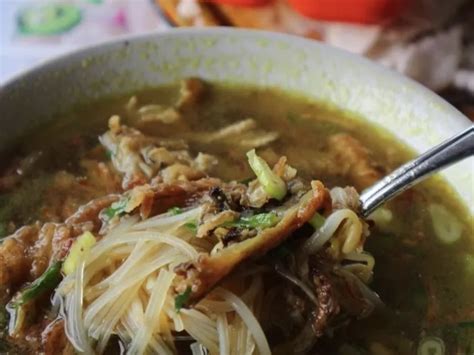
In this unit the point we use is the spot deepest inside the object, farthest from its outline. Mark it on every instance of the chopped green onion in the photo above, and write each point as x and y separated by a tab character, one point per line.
116	209
79	248
317	221
192	226
175	211
273	185
445	224
431	346
181	299
16	308
258	221
109	154
47	281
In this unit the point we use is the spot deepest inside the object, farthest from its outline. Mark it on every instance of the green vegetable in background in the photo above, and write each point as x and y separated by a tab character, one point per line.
181	299
258	221
273	185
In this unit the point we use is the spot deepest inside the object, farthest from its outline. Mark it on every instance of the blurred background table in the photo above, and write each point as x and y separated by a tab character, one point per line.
430	40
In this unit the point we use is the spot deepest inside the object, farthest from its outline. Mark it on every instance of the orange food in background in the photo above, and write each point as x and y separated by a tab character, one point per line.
242	2
359	11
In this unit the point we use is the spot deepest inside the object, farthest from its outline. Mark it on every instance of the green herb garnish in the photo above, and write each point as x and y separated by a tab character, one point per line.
317	221
18	307
116	209
46	282
181	299
175	211
258	221
109	154
273	185
192	226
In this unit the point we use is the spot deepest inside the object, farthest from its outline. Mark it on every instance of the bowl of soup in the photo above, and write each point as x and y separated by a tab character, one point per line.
197	192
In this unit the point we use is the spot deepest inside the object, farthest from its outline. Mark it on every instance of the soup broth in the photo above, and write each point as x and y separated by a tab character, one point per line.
423	279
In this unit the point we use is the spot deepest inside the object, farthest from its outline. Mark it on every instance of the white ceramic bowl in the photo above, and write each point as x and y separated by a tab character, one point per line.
411	112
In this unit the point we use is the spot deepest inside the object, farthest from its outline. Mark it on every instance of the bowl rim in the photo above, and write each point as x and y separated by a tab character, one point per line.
205	31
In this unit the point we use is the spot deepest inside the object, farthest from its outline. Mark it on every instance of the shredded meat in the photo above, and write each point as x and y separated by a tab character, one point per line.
157	113
190	92
140	158
354	159
346	197
213	221
244	134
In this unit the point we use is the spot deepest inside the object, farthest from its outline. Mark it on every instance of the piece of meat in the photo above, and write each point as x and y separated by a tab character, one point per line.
90	211
140	158
190	92
243	134
210	269
324	288
41	251
26	254
213	221
157	113
14	259
180	172
54	340
354	160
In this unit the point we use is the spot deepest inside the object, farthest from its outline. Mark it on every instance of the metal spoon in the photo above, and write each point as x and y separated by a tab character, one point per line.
441	156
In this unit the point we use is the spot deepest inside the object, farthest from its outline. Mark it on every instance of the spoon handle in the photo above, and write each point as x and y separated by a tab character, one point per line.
449	152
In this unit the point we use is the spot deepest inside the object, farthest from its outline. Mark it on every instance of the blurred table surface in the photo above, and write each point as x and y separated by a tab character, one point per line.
100	20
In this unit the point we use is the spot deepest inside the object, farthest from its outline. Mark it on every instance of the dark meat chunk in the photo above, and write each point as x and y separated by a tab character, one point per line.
328	305
54	340
190	92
